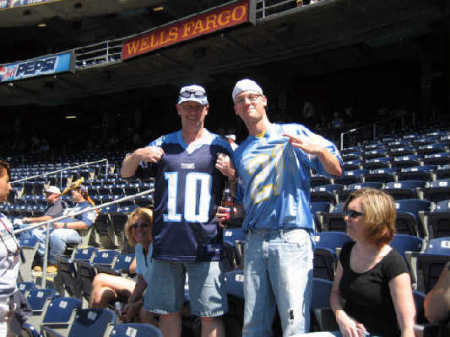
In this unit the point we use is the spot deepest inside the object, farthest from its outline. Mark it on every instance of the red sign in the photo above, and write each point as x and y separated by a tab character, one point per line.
217	19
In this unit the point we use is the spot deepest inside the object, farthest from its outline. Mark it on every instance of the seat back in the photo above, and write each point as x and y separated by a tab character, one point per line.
92	322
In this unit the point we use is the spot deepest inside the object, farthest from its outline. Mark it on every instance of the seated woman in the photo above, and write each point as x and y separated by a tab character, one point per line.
371	293
66	231
110	288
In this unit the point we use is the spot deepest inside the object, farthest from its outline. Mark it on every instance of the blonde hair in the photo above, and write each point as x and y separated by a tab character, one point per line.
146	214
379	214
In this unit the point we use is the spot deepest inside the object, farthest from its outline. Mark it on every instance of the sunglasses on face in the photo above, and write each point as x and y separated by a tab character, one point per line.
139	225
190	93
352	213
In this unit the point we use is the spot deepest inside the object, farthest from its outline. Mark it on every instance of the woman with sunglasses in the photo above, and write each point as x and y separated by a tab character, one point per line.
371	294
109	288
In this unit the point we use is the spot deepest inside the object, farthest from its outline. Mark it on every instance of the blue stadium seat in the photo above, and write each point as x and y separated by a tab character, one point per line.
438	220
437	159
376	153
135	330
351	165
351	156
417	173
334	220
325	253
407	243
410	213
322	318
318	180
357	186
26	286
438	190
402	151
326	193
442	172
431	262
60	313
432	148
383	175
377	163
39	299
406	189
351	177
87	323
318	208
121	265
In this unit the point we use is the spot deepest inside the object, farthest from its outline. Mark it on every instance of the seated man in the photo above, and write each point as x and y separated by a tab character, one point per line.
66	231
55	209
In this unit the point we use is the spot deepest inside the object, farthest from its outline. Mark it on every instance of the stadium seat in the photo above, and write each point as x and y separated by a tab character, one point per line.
326	193
334	220
318	208
87	323
357	186
234	287
406	189
431	149
120	266
437	159
60	314
134	330
29	248
350	177
325	253
383	175
351	165
26	286
417	173
442	172
431	262
402	151
438	220
319	180
410	214
438	190
407	243
376	153
105	232
322	317
377	163
39	299
233	239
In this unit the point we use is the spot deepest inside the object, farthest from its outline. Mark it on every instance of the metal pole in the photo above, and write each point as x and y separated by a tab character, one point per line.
342	140
57	171
44	267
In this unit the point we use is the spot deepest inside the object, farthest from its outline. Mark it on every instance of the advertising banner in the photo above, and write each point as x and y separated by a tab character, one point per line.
46	65
189	28
19	3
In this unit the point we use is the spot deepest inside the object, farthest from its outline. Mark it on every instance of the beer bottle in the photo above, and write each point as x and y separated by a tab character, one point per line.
228	202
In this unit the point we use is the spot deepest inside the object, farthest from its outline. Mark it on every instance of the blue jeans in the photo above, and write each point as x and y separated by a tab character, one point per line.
59	238
278	271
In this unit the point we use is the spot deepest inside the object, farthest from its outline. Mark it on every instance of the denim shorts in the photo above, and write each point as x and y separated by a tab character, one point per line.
206	282
278	272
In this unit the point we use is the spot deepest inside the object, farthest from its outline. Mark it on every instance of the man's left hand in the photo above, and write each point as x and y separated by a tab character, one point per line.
225	166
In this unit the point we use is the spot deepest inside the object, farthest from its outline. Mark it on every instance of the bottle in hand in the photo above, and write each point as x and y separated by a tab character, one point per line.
228	202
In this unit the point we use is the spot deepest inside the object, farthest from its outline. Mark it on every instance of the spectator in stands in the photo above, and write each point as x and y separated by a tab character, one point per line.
437	301
189	178
9	255
66	231
55	209
273	166
372	288
109	288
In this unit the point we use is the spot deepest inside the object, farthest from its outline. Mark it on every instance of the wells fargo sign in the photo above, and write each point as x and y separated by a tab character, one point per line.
206	23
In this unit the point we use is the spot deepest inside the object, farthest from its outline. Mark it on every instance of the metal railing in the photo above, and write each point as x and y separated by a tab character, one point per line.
49	222
43	175
98	55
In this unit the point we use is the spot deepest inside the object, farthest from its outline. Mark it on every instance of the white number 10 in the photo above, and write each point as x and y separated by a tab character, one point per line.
197	197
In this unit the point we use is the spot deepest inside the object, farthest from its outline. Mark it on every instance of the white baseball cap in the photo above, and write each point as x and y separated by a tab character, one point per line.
52	189
193	92
246	85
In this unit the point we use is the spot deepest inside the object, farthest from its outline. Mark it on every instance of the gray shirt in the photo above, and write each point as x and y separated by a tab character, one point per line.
57	209
9	258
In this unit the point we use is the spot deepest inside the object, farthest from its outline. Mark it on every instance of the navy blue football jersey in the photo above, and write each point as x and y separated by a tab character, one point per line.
188	189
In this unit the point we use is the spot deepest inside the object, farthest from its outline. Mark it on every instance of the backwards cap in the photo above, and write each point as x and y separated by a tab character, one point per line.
246	85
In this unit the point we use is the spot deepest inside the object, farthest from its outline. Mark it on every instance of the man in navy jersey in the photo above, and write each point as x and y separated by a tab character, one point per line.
273	165
190	167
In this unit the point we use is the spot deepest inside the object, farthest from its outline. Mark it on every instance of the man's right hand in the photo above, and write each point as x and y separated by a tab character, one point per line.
150	154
